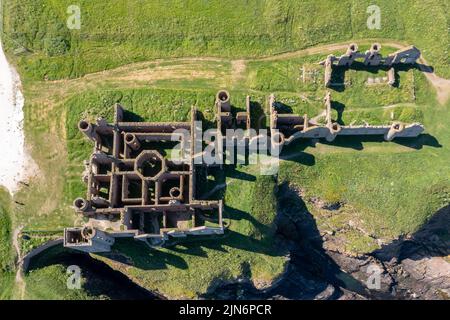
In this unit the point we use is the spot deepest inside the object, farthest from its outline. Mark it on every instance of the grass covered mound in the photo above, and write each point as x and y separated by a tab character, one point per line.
135	30
50	283
192	269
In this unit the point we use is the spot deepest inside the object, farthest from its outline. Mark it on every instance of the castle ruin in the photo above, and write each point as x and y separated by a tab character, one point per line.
135	189
371	58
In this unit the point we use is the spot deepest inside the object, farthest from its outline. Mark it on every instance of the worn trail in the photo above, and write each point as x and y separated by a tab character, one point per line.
20	282
142	71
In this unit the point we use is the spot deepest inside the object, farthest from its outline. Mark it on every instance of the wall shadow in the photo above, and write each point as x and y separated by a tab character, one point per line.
143	257
419	142
130	116
206	123
101	279
356	142
257	116
281	107
294	152
339	107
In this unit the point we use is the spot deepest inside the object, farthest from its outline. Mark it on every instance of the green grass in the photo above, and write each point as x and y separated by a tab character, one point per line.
394	191
5	229
33	240
392	198
134	30
6	254
50	283
382	116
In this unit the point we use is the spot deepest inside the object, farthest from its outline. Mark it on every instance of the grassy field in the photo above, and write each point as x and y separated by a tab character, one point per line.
6	254
390	189
394	186
137	30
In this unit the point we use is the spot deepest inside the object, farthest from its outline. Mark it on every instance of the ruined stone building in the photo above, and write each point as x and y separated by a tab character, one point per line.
134	189
287	128
371	58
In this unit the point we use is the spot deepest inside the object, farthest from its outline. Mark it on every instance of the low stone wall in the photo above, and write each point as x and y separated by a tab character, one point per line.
26	259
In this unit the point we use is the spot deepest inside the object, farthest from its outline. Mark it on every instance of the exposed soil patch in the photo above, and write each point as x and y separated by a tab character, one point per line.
237	70
167	72
20	282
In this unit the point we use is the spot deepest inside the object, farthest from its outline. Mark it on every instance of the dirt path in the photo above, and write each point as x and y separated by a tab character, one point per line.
329	48
190	67
20	282
441	85
237	70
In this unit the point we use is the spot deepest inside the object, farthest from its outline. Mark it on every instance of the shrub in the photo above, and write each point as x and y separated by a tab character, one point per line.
55	46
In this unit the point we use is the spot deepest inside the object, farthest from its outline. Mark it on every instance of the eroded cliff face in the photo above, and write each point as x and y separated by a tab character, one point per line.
419	264
416	267
320	266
